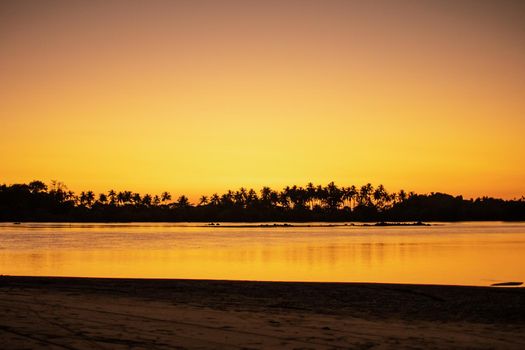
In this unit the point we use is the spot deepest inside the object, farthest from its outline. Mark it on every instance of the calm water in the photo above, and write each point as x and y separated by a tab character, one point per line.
458	253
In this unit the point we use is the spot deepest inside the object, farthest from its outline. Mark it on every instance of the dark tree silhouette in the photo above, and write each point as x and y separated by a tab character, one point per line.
165	197
203	200
37	201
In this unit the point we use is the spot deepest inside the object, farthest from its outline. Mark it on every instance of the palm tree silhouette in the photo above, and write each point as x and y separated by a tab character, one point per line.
102	198
215	200
402	195
112	195
165	196
203	200
319	202
146	200
183	202
380	196
365	195
156	200
266	199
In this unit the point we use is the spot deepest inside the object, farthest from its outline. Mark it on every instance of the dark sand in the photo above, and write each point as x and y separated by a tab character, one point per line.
77	313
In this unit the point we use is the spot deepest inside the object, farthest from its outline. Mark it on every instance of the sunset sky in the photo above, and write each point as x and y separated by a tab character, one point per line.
196	97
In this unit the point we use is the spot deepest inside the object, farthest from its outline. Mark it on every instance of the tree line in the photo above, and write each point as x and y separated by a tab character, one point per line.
37	201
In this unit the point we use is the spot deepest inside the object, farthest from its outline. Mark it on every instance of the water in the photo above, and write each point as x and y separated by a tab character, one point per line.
445	253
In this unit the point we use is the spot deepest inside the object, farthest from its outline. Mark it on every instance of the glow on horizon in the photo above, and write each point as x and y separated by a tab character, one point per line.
196	97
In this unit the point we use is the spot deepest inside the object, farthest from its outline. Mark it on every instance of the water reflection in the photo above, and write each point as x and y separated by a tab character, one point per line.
476	254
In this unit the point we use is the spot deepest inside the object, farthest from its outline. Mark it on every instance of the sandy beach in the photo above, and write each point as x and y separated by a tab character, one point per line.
82	313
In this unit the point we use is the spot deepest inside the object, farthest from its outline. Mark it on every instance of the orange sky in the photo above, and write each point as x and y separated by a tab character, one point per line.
200	96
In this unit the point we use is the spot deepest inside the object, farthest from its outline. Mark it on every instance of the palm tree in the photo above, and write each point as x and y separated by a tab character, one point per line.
274	198
365	193
251	198
380	196
227	198
120	198
87	198
83	198
402	195
183	202
70	196
165	196
296	196
102	198
90	198
215	199
146	200
320	195
112	197
310	194
238	198
203	200
244	194
393	198
351	195
156	200
136	199
283	197
124	197
333	196
266	196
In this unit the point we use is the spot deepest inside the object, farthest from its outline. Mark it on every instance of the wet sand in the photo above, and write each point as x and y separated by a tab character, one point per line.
82	313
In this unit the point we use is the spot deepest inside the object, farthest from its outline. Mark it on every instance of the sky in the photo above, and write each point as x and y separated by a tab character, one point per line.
197	97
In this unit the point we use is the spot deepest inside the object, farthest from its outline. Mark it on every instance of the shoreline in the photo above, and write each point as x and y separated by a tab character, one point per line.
52	280
164	313
271	224
327	224
268	222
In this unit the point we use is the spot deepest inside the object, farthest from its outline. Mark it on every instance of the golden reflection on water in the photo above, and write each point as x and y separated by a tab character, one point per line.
476	254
